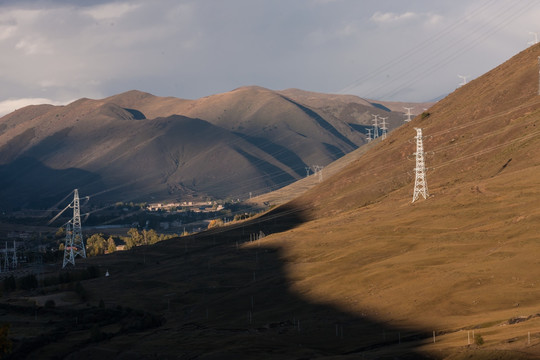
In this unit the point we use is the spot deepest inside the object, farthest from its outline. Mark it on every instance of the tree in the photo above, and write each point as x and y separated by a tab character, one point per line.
215	223
111	246
96	245
60	233
136	237
150	236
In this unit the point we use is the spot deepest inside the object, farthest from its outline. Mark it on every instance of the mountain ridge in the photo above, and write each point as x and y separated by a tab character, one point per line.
274	135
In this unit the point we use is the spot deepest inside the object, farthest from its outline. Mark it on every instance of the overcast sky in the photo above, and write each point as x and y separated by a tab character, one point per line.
56	51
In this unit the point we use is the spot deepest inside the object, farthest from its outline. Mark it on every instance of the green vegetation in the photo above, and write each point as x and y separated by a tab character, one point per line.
96	245
478	339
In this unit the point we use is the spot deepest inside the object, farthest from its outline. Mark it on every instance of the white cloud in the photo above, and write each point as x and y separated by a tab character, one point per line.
34	46
59	49
110	11
390	17
8	106
7	28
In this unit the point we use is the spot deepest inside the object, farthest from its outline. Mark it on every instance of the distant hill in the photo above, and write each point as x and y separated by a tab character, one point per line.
139	147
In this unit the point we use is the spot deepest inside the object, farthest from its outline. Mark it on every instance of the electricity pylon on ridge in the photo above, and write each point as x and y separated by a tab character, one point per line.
369	135
383	127
317	169
375	126
74	239
408	114
464	79
420	184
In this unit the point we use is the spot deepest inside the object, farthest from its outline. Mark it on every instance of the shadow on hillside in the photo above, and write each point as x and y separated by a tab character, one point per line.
28	183
278	152
229	296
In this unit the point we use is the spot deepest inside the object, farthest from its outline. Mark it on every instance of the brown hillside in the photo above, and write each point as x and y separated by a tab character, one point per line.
467	256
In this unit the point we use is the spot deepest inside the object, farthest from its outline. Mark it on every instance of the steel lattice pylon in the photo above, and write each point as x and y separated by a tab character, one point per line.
78	241
74	239
420	184
69	257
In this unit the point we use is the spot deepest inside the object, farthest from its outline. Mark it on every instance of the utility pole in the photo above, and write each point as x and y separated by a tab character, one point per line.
375	126
383	127
420	184
369	134
408	114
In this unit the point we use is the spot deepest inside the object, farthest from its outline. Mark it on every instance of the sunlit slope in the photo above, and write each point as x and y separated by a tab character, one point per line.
466	256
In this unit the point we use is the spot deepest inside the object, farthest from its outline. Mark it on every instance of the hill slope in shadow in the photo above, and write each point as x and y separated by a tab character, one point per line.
149	148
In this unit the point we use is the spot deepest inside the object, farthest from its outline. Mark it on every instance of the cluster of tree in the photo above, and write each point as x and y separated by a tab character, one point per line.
145	237
97	245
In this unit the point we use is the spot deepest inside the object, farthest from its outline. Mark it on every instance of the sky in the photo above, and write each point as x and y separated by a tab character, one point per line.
57	51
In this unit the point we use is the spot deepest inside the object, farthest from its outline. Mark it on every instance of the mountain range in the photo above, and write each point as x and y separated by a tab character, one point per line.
139	147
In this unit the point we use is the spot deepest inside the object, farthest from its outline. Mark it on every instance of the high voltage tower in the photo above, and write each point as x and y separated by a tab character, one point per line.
420	184
383	127
74	243
10	258
369	135
464	79
317	169
375	126
408	114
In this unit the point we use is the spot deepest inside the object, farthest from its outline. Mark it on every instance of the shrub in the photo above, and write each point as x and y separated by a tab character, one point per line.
478	339
215	223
